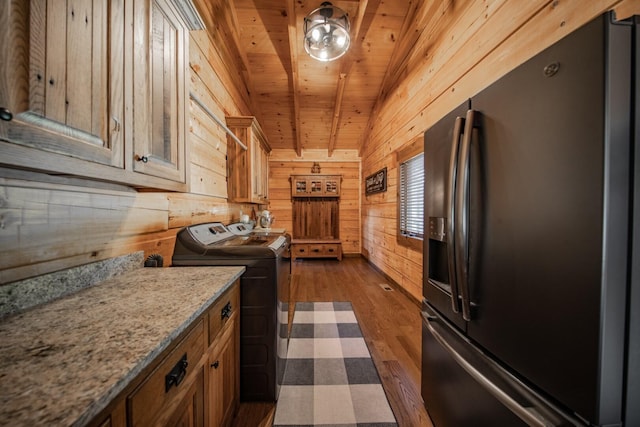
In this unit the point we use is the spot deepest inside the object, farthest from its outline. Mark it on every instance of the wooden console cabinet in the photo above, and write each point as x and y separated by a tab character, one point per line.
316	224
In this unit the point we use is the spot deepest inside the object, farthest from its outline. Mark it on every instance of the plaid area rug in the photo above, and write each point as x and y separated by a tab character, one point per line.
330	379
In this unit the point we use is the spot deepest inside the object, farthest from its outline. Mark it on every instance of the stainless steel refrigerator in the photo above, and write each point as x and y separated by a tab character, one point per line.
531	311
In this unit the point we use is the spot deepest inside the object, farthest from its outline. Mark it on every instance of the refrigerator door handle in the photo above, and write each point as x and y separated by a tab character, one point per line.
462	216
528	415
451	213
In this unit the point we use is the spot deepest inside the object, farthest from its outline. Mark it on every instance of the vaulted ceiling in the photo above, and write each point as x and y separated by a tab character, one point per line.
302	103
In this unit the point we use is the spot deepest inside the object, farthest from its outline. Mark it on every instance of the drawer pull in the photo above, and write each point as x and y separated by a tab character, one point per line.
330	249
225	313
177	374
316	250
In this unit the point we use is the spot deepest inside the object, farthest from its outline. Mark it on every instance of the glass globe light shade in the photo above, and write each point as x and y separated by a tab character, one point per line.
326	33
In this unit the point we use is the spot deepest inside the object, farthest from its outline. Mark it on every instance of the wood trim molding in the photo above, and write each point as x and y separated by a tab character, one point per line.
403	154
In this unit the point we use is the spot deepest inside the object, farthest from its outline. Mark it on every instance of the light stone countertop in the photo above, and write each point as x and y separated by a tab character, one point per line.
61	363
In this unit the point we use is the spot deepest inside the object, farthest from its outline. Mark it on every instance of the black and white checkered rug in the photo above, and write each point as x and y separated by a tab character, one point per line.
330	379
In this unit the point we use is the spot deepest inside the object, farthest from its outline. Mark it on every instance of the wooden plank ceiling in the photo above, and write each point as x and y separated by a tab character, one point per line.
302	103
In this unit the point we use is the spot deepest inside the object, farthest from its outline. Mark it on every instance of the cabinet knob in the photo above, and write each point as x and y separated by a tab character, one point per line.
143	159
5	114
215	364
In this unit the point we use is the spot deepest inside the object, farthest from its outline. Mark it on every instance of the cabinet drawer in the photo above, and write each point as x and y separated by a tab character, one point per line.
158	391
222	310
332	250
316	250
300	250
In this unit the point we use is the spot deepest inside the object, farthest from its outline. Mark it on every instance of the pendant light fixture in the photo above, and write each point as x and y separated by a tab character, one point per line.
326	32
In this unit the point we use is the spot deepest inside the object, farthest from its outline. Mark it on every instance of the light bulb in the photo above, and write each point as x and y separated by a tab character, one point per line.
341	40
315	34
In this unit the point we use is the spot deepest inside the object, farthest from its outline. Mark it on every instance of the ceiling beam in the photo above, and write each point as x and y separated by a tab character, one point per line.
342	79
345	68
293	52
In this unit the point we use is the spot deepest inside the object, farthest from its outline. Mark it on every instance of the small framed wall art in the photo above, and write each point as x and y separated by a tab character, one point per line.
376	183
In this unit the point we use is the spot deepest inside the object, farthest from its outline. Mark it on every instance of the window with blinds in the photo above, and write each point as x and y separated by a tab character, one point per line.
411	200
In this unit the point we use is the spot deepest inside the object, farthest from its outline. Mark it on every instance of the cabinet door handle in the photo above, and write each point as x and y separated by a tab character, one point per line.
116	127
143	159
215	364
226	311
177	374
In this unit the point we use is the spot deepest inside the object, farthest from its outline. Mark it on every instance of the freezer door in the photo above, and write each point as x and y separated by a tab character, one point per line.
548	263
462	387
440	154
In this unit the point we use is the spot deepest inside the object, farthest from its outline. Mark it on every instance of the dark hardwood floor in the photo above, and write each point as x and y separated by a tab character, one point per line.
390	322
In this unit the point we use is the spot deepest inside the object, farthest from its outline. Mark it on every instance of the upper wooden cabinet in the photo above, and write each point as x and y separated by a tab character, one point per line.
315	185
63	77
95	89
160	59
248	170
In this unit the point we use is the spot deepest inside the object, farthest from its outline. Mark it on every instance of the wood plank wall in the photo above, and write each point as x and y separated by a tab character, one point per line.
49	223
459	49
284	163
52	223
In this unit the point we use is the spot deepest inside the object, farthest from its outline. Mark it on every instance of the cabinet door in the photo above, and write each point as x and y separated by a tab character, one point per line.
223	376
298	186
190	412
62	78
258	166
331	187
263	174
159	90
315	186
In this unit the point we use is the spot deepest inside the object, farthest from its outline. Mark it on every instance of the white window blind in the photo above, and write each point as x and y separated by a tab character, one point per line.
412	197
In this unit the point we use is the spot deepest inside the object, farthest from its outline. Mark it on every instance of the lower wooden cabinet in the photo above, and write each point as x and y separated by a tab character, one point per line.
195	383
